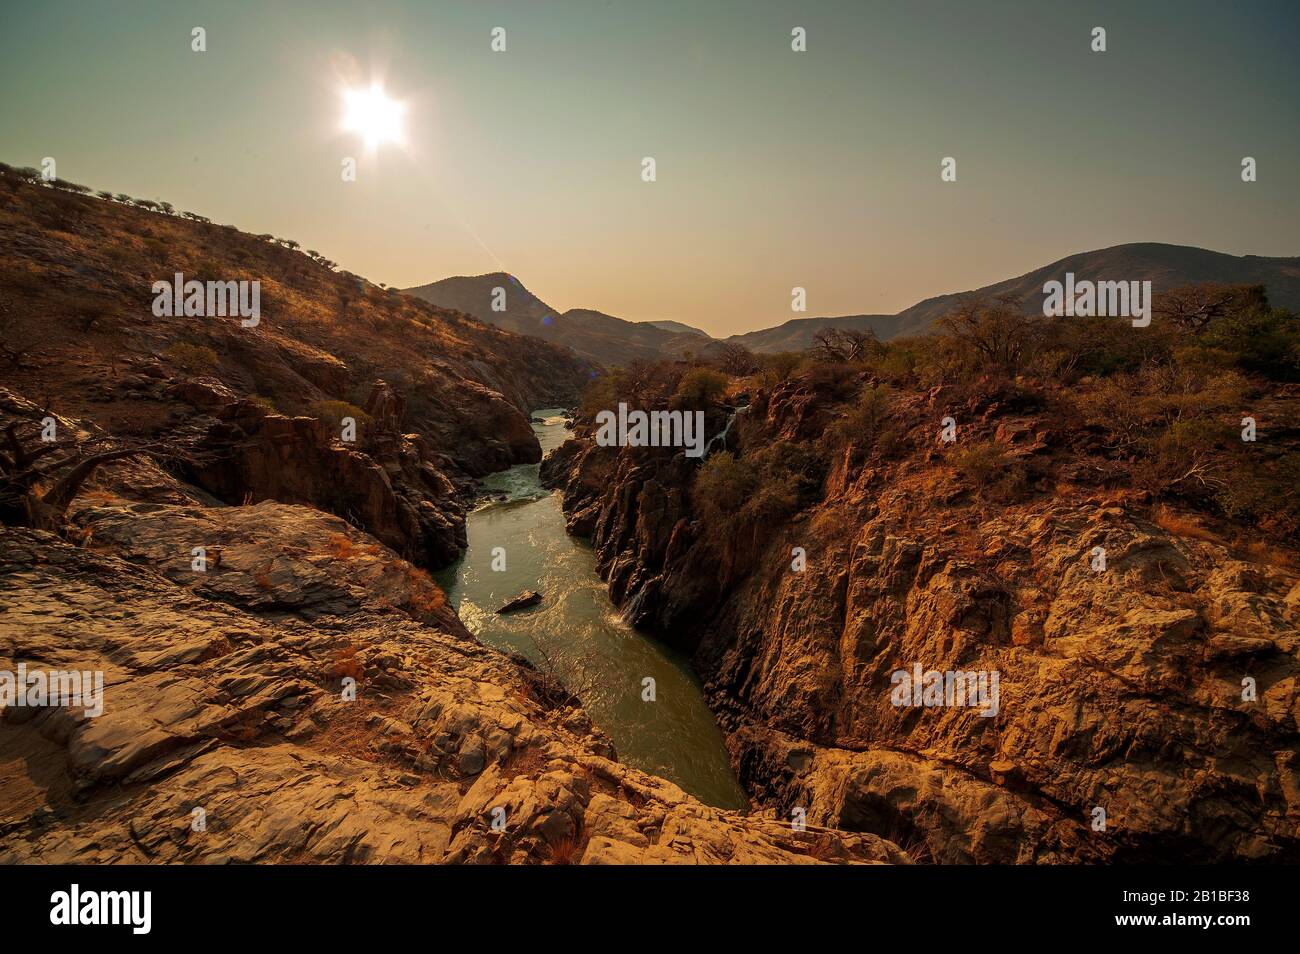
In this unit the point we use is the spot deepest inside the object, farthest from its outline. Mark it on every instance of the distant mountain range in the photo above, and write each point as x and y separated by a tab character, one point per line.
592	334
611	340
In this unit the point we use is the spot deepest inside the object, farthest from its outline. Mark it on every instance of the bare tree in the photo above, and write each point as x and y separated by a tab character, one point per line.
735	359
38	480
1192	307
844	344
998	332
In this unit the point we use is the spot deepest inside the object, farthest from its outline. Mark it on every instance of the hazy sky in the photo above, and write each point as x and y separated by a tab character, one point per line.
775	168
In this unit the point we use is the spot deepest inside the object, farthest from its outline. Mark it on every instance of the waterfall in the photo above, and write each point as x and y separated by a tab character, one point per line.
721	436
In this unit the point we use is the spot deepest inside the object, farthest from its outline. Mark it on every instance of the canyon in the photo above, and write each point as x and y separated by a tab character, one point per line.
1121	696
311	694
304	694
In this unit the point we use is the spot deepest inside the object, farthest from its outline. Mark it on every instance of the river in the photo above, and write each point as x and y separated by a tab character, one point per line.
578	634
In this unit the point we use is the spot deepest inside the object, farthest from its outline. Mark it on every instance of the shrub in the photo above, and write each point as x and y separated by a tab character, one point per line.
340	547
863	422
1265	493
344	663
425	595
779	367
723	484
1182	457
996	477
334	411
699	388
979	462
192	358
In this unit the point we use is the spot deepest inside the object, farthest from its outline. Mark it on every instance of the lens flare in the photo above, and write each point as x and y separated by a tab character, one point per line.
373	115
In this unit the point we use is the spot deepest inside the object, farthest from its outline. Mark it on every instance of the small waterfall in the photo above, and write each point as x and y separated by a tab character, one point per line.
721	436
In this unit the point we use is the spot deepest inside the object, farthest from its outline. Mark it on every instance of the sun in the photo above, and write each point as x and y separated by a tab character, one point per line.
372	114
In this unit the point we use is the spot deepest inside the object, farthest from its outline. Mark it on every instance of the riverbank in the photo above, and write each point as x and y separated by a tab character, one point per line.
576	634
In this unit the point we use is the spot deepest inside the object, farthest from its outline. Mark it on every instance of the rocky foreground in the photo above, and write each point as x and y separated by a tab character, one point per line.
1163	691
224	700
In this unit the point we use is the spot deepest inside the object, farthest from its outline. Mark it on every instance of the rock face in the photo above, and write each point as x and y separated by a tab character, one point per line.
228	733
1162	691
393	485
447	398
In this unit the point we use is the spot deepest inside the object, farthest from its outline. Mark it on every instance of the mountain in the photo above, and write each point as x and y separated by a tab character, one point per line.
679	327
797	334
593	335
612	341
1165	266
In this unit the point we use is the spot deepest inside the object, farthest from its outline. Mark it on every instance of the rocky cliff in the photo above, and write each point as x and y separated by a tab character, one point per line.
227	734
184	515
438	398
1147	710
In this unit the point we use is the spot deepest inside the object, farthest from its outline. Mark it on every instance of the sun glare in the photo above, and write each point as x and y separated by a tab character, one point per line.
373	115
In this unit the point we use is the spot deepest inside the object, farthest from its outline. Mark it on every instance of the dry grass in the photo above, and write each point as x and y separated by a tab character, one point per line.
344	662
1183	525
1261	551
565	851
340	547
425	595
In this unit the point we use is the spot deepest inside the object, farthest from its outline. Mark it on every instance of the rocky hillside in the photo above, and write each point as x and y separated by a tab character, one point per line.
227	734
438	396
181	514
841	540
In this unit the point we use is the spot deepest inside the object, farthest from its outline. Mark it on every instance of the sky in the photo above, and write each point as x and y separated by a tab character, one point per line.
775	169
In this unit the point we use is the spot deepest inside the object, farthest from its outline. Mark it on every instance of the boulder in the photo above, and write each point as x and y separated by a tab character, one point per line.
524	600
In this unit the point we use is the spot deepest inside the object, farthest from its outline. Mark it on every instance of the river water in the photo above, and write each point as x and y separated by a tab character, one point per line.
577	634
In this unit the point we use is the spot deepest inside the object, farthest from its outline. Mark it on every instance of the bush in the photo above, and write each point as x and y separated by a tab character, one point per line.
334	411
698	389
779	367
192	358
864	421
979	462
723	484
1267	494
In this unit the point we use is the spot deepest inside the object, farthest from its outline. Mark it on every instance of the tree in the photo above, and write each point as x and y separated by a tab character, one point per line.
1192	307
39	480
735	359
997	333
844	344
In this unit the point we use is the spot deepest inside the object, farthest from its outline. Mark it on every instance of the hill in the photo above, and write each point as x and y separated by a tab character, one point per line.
590	334
439	397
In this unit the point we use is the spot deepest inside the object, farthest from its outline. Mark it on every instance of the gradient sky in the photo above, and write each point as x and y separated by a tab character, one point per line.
775	168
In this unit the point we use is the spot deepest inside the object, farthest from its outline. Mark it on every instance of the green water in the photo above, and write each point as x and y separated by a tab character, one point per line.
577	634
